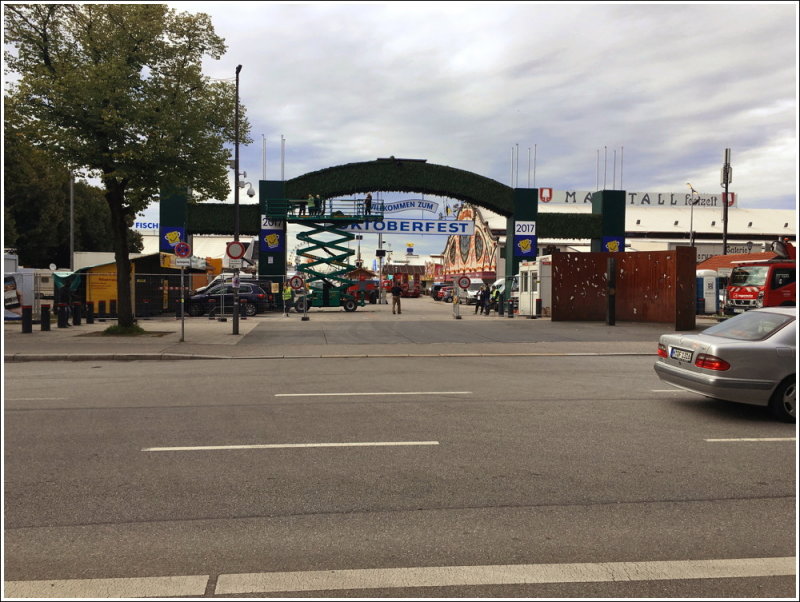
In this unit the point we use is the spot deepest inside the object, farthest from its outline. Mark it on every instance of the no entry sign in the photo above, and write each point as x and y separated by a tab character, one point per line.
236	250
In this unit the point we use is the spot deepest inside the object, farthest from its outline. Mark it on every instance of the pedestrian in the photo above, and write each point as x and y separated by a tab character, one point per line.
319	205
397	291
304	203
287	298
495	298
487	301
368	204
481	299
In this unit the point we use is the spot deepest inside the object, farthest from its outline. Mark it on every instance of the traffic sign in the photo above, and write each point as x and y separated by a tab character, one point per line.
296	282
183	262
463	282
236	249
182	249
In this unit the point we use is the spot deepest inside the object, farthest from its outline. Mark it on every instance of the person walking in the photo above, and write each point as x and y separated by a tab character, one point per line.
397	291
287	298
368	204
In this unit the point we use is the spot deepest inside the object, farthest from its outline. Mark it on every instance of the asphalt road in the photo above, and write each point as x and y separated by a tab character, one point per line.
376	477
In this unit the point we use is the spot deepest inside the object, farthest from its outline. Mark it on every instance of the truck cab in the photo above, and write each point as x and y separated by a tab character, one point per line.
769	283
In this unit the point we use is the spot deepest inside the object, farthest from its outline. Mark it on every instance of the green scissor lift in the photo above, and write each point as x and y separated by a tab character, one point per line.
325	239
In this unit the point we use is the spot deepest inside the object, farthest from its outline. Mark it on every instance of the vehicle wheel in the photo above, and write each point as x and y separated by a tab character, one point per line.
782	404
250	309
300	306
195	310
349	305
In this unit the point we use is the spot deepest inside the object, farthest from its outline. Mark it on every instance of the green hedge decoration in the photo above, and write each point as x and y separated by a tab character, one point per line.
569	225
393	175
218	218
403	175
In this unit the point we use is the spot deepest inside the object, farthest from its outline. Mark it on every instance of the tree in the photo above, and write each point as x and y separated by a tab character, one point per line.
36	196
117	90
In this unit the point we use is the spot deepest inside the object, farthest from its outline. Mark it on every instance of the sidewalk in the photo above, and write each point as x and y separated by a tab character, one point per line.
424	329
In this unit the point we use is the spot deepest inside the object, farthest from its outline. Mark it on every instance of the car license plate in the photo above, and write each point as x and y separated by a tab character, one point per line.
682	355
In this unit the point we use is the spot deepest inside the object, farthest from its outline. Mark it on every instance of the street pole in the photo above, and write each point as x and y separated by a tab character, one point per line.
236	204
726	179
71	221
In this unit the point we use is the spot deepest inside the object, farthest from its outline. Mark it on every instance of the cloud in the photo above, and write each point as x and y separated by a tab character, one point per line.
461	83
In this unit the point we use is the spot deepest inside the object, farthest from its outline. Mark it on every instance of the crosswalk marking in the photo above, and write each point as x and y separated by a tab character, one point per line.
290	446
752	439
134	587
405	577
451	576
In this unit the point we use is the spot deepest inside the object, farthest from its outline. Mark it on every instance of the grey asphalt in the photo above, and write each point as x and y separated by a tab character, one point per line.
426	327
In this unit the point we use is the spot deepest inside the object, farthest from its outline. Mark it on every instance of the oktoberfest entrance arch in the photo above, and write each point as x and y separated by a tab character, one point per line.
519	205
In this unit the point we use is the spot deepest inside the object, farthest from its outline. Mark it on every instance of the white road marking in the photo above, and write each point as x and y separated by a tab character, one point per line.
304	581
373	394
751	439
141	587
35	398
290	445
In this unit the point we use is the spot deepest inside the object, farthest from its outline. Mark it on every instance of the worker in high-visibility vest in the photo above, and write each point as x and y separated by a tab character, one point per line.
287	298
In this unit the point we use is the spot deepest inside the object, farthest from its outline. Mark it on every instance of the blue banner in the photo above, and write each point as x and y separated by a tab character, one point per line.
169	237
612	244
525	246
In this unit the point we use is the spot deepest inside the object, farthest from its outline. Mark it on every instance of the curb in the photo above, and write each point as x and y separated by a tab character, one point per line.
134	357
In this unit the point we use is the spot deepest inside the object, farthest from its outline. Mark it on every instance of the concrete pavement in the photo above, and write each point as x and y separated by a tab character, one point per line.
425	328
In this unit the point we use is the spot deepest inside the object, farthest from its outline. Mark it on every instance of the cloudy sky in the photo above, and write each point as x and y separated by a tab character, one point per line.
666	86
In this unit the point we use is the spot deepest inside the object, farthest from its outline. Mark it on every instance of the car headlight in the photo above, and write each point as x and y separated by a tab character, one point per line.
760	299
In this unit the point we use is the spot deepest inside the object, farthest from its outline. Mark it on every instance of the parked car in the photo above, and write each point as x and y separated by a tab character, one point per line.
252	298
748	359
446	294
435	288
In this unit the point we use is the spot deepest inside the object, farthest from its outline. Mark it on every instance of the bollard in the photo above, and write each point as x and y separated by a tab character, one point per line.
501	305
63	317
44	322
76	314
101	309
27	318
456	307
89	312
510	308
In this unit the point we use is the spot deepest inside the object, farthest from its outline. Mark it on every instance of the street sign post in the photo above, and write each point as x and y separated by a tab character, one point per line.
183	259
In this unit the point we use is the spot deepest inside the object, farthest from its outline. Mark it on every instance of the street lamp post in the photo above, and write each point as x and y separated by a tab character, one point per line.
236	204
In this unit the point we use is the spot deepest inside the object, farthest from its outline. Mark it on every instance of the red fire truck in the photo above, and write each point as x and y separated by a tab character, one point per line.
769	283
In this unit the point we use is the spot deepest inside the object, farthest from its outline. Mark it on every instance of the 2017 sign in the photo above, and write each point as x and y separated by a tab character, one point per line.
524	227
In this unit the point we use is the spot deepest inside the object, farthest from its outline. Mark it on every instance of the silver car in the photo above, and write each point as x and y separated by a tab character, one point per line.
747	359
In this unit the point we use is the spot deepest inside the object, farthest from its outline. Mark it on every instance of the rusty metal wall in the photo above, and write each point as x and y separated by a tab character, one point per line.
657	286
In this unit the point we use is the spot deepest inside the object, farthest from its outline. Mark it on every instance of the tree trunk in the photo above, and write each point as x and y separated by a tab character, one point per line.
115	197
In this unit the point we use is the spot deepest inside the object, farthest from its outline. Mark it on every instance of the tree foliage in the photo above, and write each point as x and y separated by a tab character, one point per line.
36	222
117	90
